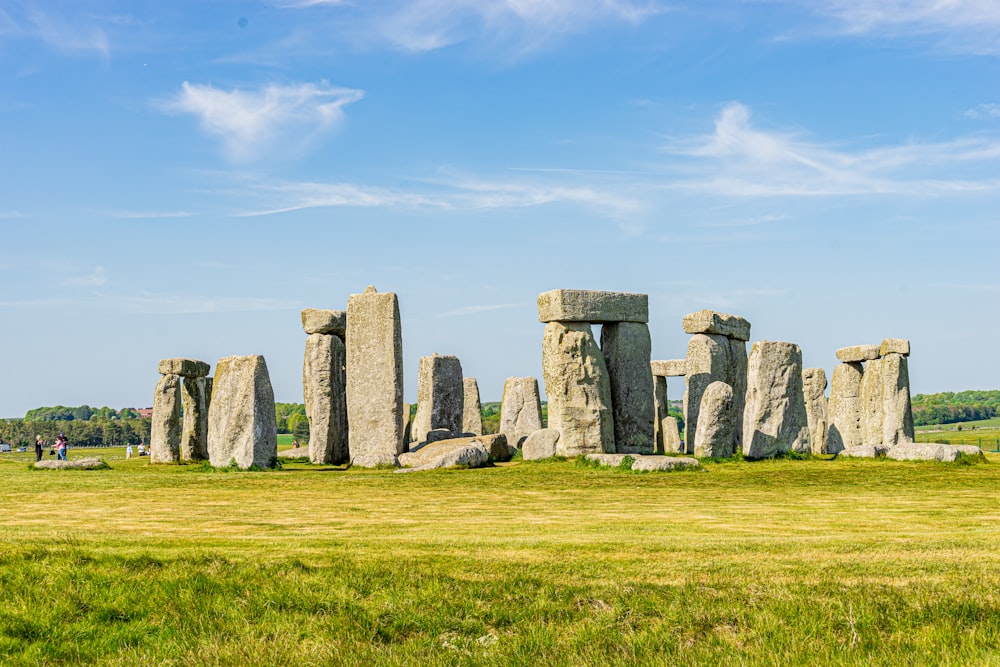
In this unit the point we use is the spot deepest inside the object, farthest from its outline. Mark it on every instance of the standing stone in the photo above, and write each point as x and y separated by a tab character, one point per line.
196	395
323	383
707	361
165	429
844	408
440	397
736	377
897	414
626	349
660	409
814	391
520	410
716	424
241	419
374	378
775	417
407	423
872	401
671	436
578	390
472	414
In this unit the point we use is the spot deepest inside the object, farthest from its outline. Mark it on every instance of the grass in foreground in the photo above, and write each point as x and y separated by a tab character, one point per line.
821	562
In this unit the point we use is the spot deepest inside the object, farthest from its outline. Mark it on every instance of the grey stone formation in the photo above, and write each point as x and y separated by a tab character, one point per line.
660	408
374	378
326	322
496	444
775	419
894	346
91	463
716	423
897	414
714	358
190	368
440	397
711	322
578	389
668	368
671	436
626	348
844	408
923	452
857	353
872	403
472	413
814	391
241	419
196	395
520	409
407	423
863	452
165	429
465	452
641	463
324	380
542	444
566	305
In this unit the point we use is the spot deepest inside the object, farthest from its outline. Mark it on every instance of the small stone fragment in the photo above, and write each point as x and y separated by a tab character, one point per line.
857	353
567	305
711	322
540	445
327	322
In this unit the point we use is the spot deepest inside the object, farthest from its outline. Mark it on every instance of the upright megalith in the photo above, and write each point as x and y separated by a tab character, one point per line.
814	392
440	397
165	429
897	413
872	402
196	396
472	413
775	419
666	434
374	378
324	380
661	407
626	348
241	419
672	443
844	408
715	437
578	389
521	409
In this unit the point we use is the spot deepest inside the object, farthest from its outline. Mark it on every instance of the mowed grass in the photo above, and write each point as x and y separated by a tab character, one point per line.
780	562
986	438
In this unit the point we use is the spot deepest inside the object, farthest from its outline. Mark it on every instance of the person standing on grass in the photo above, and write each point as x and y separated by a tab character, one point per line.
61	445
128	451
39	446
142	449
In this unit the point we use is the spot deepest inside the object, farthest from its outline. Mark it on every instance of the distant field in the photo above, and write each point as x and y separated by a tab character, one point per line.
982	423
988	439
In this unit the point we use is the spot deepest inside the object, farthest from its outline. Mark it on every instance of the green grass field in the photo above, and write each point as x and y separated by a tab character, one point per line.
780	562
986	438
979	424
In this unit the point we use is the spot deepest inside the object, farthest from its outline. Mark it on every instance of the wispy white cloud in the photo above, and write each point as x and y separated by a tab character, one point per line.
63	27
981	111
473	310
10	215
148	215
249	121
95	278
176	304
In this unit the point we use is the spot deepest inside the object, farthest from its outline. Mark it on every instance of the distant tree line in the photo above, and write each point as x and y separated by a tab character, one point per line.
953	407
80	433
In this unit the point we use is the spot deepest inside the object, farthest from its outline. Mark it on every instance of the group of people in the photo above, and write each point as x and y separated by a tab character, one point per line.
142	449
60	447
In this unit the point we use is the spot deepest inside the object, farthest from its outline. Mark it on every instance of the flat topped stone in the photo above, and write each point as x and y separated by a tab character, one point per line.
328	322
78	464
641	463
189	368
711	322
571	305
895	346
856	353
468	452
669	368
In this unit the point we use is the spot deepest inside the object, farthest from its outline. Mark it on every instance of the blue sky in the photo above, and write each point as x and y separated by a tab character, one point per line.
181	179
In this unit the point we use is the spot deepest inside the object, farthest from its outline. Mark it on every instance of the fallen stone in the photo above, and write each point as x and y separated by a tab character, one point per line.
857	353
468	452
669	368
520	409
671	436
872	403
472	413
610	460
76	464
374	378
567	305
324	383
711	322
440	397
895	346
844	408
897	412
578	389
969	450
196	395
775	418
814	392
241	422
863	452
626	348
165	426
498	447
663	463
190	368
716	423
542	444
918	451
326	322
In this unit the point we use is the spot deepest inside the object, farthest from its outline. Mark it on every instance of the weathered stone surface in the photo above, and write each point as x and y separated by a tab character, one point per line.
407	423
660	409
578	389
610	460
664	463
165	429
716	423
711	322
707	361
440	397
857	353
775	417
472	413
190	368
520	409
438	434
736	377
814	391
374	378
496	444
468	452
570	305
872	402
895	346
324	383
919	451
968	450
241	420
671	436
669	368
626	347
844	408
77	464
863	452
541	444
327	322
897	414
196	395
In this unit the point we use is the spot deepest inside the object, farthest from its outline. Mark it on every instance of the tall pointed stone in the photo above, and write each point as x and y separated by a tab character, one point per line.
374	378
844	408
897	413
196	395
242	427
775	419
324	380
814	391
520	410
626	349
440	397
165	429
472	414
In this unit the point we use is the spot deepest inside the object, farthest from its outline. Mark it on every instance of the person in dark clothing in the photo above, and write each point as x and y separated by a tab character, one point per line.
39	446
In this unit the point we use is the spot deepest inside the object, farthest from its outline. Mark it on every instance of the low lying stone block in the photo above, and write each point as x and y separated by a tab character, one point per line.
864	452
469	452
189	368
919	451
611	460
660	463
895	345
711	322
540	444
78	464
329	322
570	305
858	353
669	368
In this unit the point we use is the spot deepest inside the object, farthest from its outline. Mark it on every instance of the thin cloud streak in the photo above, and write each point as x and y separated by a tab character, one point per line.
96	278
474	310
149	215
